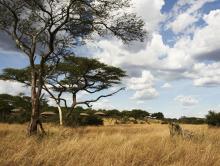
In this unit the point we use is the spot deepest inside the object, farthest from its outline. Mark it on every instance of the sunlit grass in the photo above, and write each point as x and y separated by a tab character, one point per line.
109	145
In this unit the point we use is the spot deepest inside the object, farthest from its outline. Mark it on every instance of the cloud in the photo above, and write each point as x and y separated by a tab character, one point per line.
150	11
205	74
145	94
13	88
143	86
205	44
182	22
185	14
113	53
186	100
166	86
197	56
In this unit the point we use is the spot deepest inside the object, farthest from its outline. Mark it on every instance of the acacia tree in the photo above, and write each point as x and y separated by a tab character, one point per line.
44	29
73	75
80	74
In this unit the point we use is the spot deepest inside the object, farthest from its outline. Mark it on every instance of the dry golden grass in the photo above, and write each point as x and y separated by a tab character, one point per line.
135	145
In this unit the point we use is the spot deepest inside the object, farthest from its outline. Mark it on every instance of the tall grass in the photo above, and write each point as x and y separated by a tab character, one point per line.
135	145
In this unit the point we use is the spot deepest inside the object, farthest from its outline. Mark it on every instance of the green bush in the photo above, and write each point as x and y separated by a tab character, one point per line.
191	120
158	115
75	120
213	118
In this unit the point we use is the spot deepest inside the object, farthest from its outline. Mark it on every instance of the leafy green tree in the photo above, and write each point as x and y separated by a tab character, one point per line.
8	103
113	113
80	74
46	29
139	114
213	118
158	115
5	108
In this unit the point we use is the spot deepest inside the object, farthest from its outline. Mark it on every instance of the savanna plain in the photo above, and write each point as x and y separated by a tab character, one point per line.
119	145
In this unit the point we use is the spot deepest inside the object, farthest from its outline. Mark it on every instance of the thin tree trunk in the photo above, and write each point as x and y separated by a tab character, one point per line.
32	129
34	116
60	114
72	106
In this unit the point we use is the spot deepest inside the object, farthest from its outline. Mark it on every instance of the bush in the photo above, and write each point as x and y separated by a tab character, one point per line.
191	120
213	118
75	120
158	115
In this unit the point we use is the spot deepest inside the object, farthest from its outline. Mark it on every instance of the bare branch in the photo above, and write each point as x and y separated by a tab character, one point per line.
97	99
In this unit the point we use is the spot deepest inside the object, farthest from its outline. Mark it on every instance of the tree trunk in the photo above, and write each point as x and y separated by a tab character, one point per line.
60	114
72	106
35	113
35	100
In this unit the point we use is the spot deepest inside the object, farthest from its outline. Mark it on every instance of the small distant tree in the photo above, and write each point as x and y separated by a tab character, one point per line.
158	115
139	114
213	118
44	29
113	113
8	103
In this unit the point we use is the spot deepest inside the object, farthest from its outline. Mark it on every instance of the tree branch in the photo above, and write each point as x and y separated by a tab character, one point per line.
97	99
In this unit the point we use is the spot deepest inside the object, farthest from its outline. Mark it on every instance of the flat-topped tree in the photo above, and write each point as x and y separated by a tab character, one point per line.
43	29
73	75
80	74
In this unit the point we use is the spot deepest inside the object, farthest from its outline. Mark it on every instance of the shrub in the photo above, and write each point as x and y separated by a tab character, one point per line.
191	120
213	118
75	120
158	115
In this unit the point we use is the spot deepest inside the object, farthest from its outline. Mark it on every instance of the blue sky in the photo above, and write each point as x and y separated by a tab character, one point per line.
176	71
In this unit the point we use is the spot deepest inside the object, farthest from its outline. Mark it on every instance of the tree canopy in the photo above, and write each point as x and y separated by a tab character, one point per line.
213	118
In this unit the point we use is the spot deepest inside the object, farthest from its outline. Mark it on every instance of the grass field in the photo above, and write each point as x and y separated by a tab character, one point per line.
135	145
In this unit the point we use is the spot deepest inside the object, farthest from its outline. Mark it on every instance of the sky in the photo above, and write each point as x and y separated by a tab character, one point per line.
176	71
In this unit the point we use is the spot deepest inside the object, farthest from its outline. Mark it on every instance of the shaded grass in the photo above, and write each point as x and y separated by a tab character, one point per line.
123	145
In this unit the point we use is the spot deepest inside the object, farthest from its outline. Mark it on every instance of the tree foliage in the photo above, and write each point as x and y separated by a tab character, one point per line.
8	103
158	115
191	120
213	118
80	74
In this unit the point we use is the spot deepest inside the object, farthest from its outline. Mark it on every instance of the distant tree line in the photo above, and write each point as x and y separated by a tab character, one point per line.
191	120
10	103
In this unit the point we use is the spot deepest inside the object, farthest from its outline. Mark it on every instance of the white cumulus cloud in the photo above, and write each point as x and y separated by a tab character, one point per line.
186	100
143	86
13	88
166	85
